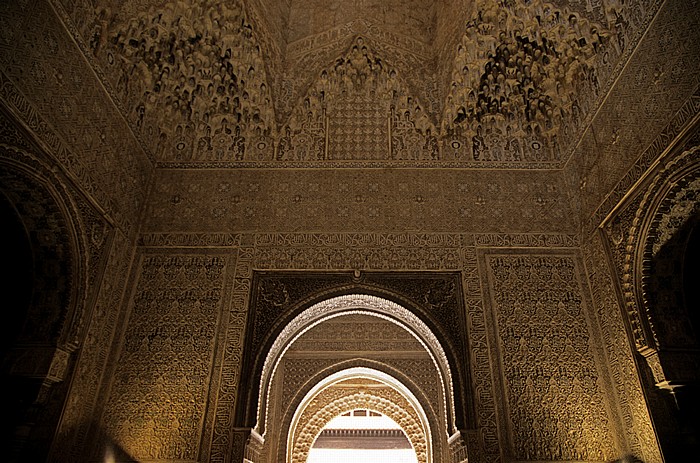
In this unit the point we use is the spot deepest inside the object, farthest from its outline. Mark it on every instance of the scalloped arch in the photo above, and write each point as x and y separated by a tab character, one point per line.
649	222
324	403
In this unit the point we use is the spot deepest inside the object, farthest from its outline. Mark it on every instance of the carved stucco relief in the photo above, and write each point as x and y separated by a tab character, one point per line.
482	338
630	417
540	69
158	395
551	386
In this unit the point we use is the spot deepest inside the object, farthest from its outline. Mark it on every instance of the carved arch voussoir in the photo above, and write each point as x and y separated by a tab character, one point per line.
650	229
432	420
390	404
353	303
57	234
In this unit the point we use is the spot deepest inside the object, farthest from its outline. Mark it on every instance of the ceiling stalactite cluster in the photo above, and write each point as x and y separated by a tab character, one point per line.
200	85
196	64
524	79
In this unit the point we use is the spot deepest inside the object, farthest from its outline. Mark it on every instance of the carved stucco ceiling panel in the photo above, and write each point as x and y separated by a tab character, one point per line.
510	84
412	18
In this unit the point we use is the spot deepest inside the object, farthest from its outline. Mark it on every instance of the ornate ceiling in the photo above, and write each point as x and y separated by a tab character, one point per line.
360	83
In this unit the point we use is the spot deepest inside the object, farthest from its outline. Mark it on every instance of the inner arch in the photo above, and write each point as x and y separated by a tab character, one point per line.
358	388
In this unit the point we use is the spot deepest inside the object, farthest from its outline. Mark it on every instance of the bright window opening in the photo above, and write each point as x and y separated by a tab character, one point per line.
362	436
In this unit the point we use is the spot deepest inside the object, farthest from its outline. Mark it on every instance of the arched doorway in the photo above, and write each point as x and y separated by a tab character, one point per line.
358	392
45	294
659	288
353	352
362	435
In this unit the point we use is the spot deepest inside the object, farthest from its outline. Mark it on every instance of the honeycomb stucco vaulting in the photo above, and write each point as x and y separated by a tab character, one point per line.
242	82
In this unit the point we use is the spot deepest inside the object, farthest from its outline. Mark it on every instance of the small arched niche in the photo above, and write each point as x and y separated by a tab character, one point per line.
347	353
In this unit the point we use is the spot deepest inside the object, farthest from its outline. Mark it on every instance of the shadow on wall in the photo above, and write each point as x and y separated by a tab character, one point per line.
670	286
112	452
628	459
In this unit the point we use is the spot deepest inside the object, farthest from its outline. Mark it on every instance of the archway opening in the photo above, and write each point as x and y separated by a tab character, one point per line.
359	414
17	270
362	435
346	353
691	269
17	284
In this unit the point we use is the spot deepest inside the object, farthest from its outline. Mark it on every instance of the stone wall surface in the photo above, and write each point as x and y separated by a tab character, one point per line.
538	362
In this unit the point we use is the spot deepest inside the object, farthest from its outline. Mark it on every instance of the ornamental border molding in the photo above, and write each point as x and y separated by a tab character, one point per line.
357	240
